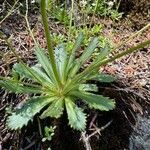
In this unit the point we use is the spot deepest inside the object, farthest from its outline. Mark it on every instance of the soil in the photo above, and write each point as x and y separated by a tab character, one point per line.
131	90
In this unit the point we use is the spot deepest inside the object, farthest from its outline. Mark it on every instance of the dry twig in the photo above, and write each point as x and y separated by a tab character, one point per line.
86	138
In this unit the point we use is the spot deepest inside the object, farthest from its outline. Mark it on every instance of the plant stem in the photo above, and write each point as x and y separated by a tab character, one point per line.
130	50
131	37
118	5
93	67
95	9
10	12
86	141
71	18
49	40
28	25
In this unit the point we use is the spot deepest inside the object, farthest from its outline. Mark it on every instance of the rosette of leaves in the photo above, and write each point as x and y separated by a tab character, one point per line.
56	82
46	92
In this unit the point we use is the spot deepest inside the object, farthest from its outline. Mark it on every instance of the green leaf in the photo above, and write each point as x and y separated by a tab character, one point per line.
88	87
45	62
54	110
22	71
22	116
105	51
86	55
61	59
96	101
103	78
15	75
41	73
18	87
37	73
76	117
77	45
89	50
27	72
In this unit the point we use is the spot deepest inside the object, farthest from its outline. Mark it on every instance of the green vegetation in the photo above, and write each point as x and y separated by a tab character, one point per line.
49	133
78	16
94	31
83	8
56	82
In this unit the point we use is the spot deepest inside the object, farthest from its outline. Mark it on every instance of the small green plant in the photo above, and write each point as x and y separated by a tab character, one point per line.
115	15
88	33
81	11
104	8
56	82
48	133
58	11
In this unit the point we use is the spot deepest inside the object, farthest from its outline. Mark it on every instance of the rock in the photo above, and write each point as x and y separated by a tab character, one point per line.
140	138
